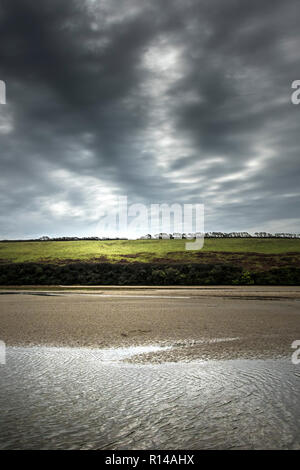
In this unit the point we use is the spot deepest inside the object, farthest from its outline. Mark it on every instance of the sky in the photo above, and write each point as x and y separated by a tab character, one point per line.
180	101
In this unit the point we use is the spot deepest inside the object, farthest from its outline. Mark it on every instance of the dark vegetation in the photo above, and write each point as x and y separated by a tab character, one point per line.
87	273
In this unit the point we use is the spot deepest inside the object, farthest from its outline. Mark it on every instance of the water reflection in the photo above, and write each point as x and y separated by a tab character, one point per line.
87	399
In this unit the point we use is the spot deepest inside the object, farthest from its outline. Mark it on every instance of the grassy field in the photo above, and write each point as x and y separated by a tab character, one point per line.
151	262
152	251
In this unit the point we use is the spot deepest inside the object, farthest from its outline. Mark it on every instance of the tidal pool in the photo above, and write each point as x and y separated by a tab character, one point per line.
64	398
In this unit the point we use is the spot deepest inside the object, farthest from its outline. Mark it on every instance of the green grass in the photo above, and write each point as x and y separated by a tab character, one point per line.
138	250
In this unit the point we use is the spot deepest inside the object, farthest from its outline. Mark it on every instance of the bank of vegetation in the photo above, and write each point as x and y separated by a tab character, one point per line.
85	273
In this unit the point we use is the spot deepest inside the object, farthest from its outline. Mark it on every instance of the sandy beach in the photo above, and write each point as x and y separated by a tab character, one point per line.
199	323
112	368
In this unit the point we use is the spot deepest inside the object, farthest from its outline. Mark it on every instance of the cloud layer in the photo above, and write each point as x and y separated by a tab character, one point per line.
182	101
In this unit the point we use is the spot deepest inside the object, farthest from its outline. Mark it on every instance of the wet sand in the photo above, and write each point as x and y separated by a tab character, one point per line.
199	323
79	398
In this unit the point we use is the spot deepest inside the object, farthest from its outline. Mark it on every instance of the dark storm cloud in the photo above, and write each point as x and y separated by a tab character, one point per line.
189	102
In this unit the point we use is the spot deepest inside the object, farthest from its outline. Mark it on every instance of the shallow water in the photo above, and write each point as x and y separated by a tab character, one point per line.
53	398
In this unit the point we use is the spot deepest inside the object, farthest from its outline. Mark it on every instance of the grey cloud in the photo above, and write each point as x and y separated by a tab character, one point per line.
87	106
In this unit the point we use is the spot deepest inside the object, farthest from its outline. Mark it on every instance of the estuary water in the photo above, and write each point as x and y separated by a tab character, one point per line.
67	398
